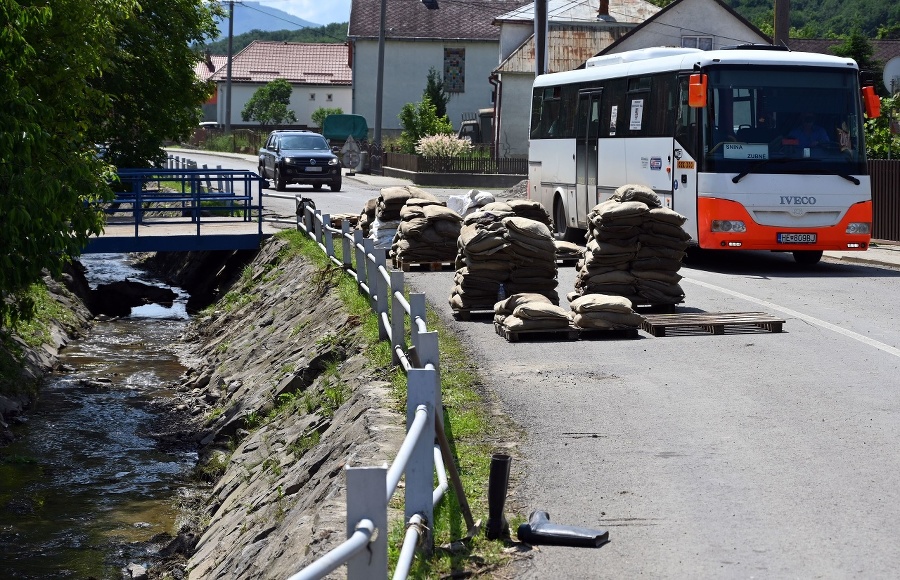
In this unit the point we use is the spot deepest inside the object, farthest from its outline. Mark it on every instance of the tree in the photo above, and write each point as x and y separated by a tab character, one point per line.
882	140
434	90
318	116
65	69
269	104
420	120
858	47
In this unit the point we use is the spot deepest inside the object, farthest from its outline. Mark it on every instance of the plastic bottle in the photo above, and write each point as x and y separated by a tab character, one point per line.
501	292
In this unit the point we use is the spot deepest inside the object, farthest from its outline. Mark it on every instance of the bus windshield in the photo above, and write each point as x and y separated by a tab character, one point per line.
783	120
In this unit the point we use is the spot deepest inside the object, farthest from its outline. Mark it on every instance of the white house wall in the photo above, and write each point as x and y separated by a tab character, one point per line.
691	19
406	66
301	102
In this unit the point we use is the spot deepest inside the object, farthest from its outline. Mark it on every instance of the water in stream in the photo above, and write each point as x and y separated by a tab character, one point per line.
85	485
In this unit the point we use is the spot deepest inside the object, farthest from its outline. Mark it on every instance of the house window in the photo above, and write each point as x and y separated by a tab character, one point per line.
312	96
328	97
701	42
455	70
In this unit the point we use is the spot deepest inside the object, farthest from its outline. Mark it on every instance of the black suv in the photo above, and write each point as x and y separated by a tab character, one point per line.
299	157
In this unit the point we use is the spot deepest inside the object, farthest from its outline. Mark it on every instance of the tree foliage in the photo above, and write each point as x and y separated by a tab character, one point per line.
318	116
269	104
74	73
434	90
883	140
331	33
421	120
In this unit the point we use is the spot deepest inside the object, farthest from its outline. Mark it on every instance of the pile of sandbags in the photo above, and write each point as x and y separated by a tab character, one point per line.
387	212
500	256
367	216
634	249
530	311
604	312
428	232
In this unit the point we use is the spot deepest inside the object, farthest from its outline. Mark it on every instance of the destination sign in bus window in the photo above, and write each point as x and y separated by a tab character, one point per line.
746	151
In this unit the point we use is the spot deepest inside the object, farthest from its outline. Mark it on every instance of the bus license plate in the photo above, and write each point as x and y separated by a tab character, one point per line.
796	238
318	169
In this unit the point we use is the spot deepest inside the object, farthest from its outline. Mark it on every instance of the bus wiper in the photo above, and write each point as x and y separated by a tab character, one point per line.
752	167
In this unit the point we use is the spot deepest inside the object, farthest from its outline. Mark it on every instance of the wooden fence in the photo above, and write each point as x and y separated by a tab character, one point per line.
885	175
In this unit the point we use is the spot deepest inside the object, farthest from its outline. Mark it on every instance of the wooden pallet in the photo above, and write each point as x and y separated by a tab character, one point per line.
607	333
710	322
536	334
469	314
428	266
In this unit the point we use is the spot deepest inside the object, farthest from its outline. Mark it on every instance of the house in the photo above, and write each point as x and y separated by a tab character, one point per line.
576	31
204	70
457	40
318	73
704	24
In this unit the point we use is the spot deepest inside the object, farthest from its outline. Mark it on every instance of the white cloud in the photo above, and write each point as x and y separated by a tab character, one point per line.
318	11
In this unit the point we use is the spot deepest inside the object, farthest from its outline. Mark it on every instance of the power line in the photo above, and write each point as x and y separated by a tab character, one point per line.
296	24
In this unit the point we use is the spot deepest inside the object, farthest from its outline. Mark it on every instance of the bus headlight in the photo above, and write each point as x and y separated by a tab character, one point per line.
729	226
859	228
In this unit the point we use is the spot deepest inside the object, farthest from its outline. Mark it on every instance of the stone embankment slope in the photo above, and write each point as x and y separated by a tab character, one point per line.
288	398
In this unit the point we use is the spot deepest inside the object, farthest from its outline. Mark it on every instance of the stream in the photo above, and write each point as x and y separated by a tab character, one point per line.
86	488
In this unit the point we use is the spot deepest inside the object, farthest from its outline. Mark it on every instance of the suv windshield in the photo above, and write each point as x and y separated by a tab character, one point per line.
305	142
780	120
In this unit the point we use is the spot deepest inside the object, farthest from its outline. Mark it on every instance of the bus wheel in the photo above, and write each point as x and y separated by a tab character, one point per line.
807	257
560	224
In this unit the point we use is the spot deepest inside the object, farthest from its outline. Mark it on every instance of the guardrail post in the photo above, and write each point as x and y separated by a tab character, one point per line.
398	316
366	499
422	385
325	235
371	273
360	258
383	292
428	351
417	309
346	245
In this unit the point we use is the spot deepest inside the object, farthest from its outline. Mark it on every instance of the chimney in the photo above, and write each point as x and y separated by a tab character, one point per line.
604	9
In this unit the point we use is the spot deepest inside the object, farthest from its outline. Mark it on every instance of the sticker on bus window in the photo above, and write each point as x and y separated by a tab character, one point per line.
613	115
746	150
637	112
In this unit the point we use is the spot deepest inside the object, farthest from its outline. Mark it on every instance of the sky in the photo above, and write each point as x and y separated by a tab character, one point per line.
318	11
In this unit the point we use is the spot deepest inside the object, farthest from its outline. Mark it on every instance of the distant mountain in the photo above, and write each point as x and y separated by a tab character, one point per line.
254	16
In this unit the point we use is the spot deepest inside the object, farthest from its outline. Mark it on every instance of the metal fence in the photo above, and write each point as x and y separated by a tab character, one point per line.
420	164
425	449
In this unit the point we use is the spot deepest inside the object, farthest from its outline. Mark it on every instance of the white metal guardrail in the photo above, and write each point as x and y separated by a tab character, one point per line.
425	449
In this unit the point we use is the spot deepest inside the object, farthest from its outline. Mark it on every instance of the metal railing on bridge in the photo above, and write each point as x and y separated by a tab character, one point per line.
425	450
189	208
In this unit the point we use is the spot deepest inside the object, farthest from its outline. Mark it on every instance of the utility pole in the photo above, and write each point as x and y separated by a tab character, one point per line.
782	22
540	37
228	72
379	83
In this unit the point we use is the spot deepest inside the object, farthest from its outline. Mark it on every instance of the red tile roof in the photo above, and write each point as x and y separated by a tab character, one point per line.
454	20
205	68
296	62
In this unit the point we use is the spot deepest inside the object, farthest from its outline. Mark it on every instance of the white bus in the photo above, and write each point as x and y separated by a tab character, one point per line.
719	136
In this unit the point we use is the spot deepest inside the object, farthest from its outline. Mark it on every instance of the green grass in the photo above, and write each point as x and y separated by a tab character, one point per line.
469	424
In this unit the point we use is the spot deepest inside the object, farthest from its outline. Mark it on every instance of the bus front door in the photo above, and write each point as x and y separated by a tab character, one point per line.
586	154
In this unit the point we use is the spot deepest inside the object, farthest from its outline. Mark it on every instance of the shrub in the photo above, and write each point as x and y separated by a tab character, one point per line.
443	146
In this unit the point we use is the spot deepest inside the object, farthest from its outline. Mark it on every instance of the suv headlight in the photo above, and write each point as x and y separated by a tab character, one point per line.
289	160
334	161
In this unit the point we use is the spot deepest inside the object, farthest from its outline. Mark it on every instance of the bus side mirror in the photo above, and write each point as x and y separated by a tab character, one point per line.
871	102
697	91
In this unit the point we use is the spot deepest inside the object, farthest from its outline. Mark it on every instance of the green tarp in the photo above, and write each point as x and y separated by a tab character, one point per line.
340	127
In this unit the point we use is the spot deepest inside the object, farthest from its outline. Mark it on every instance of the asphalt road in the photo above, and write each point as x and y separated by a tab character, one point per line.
743	455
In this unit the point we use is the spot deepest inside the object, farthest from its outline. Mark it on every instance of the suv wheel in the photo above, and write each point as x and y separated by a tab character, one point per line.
317	186
335	186
279	181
